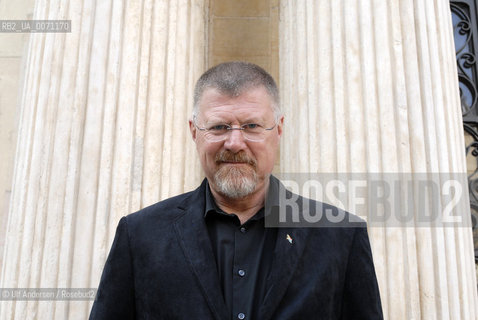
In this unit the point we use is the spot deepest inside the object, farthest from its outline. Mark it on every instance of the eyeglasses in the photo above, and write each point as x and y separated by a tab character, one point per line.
219	132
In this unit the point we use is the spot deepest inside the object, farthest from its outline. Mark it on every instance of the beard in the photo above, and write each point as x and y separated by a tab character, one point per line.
235	181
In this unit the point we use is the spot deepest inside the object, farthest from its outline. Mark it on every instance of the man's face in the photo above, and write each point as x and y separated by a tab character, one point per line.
236	167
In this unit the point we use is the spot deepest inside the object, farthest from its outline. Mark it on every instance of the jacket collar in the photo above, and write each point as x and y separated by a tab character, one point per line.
193	237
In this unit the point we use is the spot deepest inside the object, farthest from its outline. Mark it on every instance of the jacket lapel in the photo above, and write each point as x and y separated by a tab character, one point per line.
290	245
193	237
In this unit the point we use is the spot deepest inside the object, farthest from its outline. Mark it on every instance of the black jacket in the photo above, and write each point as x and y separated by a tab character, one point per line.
161	266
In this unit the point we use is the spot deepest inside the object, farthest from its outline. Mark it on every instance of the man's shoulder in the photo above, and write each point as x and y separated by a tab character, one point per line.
163	205
321	216
167	210
294	210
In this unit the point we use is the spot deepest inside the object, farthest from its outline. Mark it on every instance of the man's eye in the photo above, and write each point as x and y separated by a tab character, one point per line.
219	127
251	126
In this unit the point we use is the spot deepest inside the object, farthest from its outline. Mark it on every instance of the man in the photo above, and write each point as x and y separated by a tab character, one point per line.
207	254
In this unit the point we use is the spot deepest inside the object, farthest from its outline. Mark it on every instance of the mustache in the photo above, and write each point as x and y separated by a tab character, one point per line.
228	156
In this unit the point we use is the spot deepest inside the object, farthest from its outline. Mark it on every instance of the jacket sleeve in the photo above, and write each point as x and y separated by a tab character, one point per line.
115	295
361	294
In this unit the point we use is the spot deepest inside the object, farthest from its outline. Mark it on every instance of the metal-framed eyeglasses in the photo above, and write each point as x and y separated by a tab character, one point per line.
220	131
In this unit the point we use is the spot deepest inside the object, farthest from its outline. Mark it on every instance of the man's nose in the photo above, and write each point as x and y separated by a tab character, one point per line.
235	141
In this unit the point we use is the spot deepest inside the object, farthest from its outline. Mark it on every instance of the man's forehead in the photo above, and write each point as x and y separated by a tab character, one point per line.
253	94
254	101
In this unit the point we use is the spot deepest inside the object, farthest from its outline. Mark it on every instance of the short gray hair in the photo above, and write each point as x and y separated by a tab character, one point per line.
233	79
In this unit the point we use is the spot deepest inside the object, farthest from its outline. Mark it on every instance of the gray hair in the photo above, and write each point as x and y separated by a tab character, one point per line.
233	79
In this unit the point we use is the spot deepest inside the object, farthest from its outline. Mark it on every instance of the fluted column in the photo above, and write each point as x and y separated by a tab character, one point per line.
103	133
371	86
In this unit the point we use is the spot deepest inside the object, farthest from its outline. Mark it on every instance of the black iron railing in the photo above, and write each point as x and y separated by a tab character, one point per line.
464	16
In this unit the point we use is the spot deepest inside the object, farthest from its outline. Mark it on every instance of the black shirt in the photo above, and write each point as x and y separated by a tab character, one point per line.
243	257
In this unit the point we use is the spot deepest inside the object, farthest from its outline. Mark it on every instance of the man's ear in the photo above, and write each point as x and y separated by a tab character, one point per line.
193	130
280	124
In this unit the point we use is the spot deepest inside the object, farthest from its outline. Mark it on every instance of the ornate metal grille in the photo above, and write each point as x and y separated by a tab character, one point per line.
464	16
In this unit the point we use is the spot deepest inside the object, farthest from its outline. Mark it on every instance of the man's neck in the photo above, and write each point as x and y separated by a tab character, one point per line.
245	208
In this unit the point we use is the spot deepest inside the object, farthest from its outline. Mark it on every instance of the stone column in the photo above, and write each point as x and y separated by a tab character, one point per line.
371	86
103	132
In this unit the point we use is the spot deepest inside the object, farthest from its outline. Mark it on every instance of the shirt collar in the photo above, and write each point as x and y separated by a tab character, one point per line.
210	202
272	200
212	208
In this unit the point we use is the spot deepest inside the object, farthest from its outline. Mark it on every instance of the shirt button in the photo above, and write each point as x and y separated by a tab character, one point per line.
241	316
243	230
241	272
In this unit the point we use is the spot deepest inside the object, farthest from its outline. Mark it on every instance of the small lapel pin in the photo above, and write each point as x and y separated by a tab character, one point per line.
289	238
